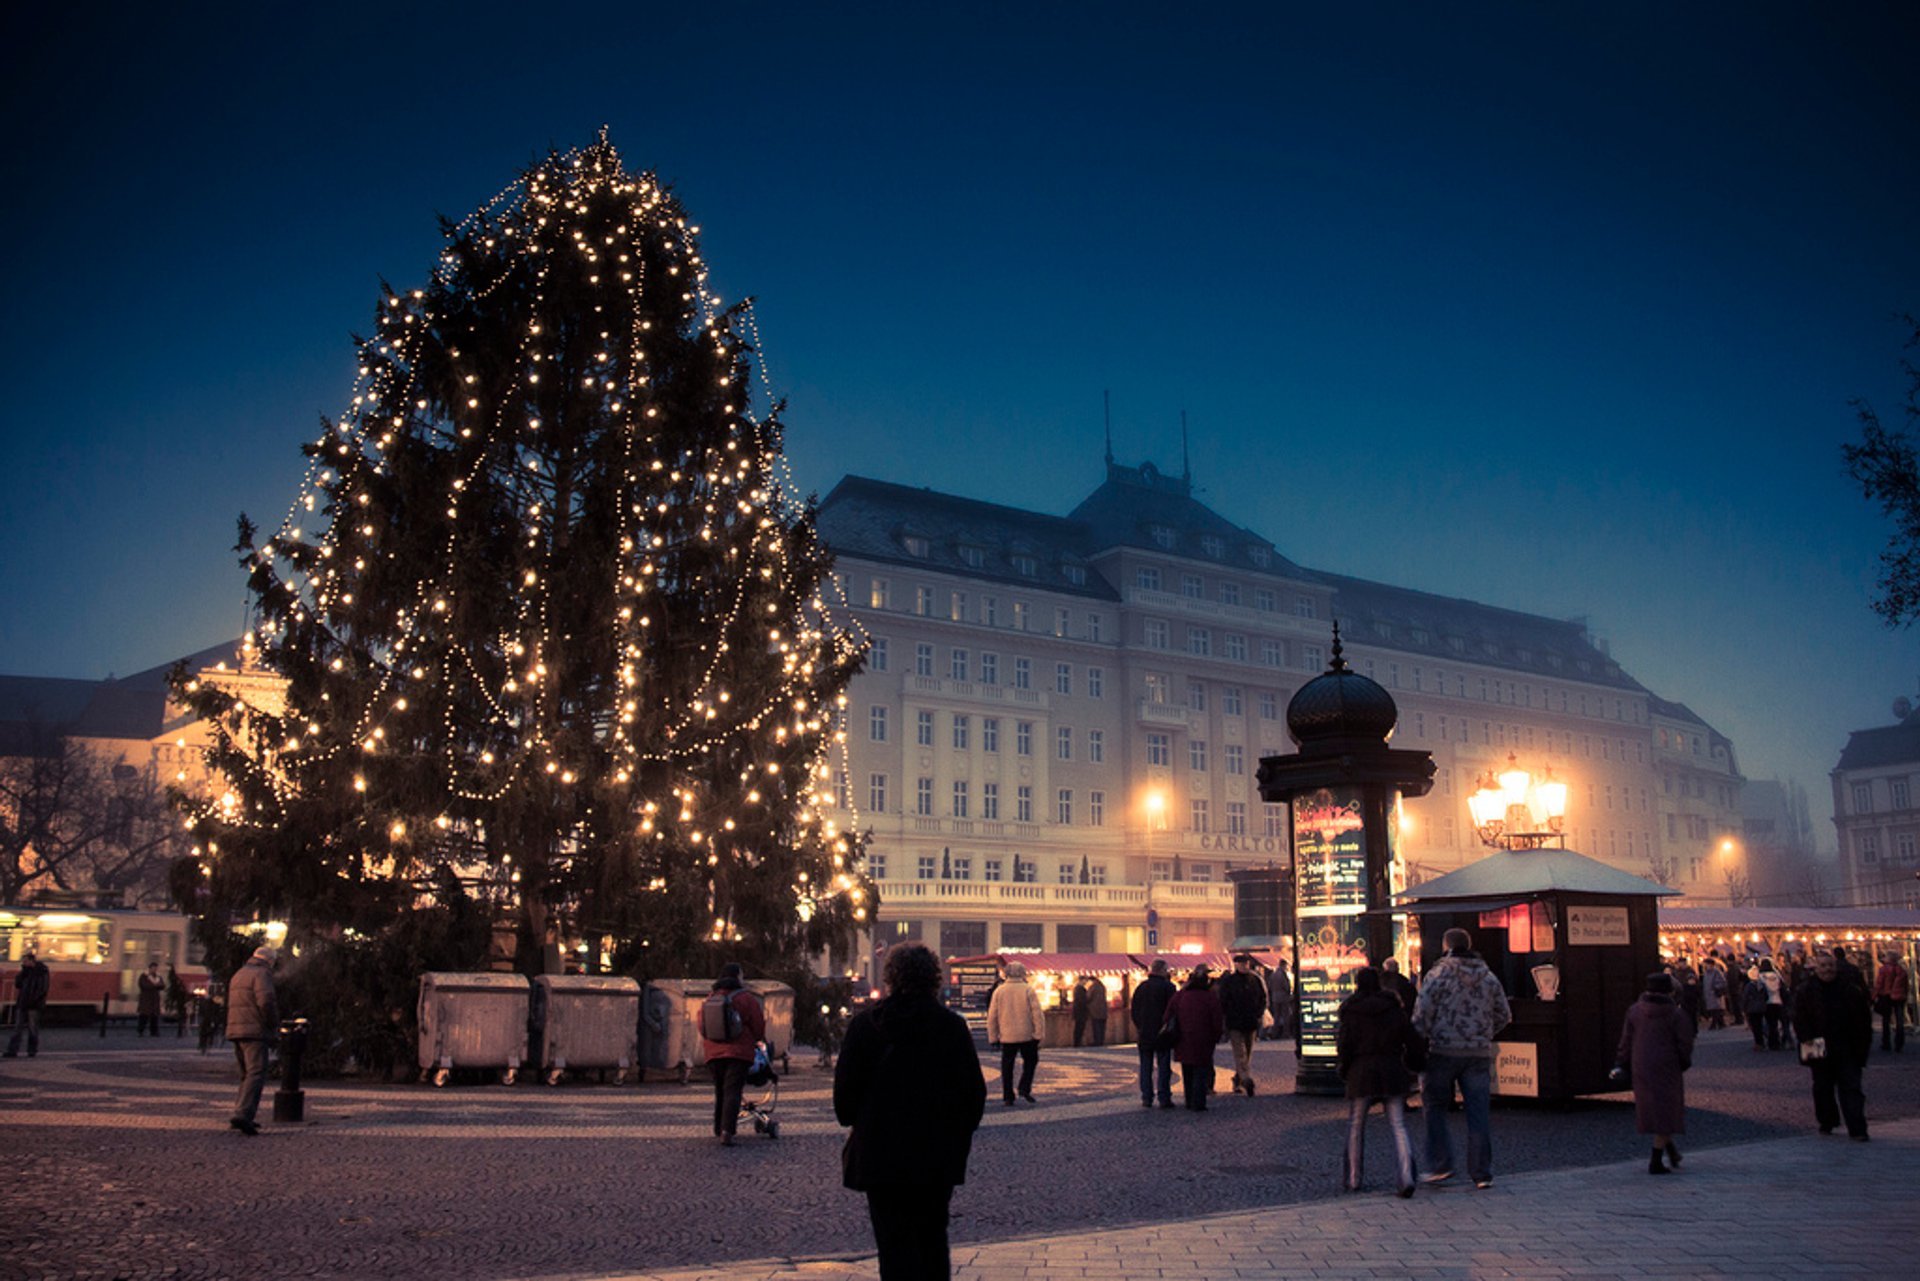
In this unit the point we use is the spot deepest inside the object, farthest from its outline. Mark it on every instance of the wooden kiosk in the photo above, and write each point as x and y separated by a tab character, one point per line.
1570	938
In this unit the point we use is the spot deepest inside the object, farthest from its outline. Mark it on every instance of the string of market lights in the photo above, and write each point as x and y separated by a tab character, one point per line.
528	217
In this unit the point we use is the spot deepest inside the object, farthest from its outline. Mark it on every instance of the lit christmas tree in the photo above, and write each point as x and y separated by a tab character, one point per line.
549	613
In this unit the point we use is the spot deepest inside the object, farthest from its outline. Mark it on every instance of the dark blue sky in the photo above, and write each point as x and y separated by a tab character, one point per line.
1554	306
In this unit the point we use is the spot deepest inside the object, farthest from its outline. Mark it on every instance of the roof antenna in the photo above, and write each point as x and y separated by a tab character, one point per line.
1186	467
1106	409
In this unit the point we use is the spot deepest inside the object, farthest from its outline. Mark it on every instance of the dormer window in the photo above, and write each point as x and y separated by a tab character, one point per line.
1261	556
1419	635
1490	649
1213	545
1075	574
1457	644
1024	565
1383	630
1162	536
972	557
916	546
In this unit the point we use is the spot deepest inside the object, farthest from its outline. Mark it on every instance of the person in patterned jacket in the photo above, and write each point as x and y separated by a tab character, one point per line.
1462	1007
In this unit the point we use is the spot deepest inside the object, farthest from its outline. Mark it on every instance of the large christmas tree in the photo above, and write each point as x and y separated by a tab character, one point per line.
549	615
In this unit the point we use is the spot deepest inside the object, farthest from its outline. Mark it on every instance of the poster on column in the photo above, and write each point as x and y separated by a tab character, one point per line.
1330	862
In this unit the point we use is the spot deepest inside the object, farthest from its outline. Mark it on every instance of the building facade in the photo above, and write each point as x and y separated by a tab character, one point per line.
1874	814
1054	743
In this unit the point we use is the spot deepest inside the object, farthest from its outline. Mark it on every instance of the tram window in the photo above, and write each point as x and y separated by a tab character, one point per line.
57	936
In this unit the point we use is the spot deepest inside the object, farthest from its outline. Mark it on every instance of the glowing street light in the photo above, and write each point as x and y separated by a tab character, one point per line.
1514	811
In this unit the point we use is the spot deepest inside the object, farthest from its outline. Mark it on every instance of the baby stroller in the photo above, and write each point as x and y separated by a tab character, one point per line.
761	1076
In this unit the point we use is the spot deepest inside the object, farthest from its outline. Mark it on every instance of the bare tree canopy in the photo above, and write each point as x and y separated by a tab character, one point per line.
74	821
1884	461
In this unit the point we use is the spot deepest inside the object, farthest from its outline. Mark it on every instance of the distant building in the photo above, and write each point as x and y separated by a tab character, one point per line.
1873	811
1055	739
1777	850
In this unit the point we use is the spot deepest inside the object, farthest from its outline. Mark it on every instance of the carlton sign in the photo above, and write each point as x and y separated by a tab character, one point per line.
1244	844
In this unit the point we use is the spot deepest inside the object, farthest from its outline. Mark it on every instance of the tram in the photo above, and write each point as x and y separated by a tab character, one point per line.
96	955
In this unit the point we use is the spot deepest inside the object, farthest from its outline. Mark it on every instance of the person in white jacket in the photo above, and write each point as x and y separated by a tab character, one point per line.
1014	1023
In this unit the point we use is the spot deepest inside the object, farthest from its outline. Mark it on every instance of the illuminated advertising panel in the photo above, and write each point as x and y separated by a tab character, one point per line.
1330	862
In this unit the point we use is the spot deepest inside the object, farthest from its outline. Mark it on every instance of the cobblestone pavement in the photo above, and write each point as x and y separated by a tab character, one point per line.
120	1166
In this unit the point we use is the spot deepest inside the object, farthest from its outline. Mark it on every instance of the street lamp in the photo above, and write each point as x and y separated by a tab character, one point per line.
1514	811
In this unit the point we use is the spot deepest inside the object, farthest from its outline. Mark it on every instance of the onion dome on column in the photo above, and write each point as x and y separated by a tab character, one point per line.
1340	710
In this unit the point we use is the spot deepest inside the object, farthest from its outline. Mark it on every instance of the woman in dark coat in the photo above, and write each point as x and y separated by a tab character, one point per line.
1374	1040
1656	1046
1196	1009
910	1085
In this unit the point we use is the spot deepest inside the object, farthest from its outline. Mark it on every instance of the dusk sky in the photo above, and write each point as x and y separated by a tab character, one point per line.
1554	306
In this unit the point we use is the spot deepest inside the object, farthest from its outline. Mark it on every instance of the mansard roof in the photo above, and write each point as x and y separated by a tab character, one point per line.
1135	502
880	521
1884	745
129	707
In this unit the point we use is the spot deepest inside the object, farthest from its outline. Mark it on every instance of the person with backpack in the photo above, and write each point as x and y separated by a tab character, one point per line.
732	1026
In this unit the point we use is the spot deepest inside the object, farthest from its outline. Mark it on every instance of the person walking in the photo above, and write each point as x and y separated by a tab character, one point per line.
1890	1001
908	1083
729	1057
1015	1024
1243	1000
30	988
1080	1011
1834	1022
1713	993
1461	1008
1374	1042
1656	1049
1736	992
1097	1009
1149	1013
1280	996
1397	985
1764	1003
1195	1013
152	987
253	1021
1846	969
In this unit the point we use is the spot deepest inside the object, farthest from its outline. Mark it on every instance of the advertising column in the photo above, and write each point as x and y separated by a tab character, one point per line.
1330	866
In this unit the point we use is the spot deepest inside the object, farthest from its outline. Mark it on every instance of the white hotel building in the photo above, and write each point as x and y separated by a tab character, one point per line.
1056	736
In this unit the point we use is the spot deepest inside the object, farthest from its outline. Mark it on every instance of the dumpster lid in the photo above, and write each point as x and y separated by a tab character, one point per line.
605	984
453	981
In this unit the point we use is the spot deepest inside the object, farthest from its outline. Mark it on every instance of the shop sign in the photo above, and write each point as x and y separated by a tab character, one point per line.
1516	1069
1590	926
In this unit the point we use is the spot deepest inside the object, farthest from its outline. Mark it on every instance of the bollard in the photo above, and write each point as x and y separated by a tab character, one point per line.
106	1000
289	1101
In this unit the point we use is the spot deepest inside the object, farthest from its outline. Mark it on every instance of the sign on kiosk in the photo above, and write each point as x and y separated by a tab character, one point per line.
1591	926
1516	1069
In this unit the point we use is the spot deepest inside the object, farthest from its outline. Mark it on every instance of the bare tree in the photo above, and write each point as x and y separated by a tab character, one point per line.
73	821
1885	463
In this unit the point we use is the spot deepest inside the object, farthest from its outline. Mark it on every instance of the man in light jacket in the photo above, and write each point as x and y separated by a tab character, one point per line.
1015	1024
253	1019
1460	1009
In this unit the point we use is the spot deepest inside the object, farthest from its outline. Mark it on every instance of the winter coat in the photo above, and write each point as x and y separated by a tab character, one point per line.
1400	986
1243	999
151	986
1372	1043
1461	1008
1656	1046
1890	982
910	1085
1080	1006
753	1025
1840	1012
1097	1001
1201	1025
1013	1015
31	985
1149	1008
1713	990
253	1011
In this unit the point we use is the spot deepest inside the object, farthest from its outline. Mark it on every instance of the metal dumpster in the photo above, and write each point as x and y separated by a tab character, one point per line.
472	1021
670	1023
586	1021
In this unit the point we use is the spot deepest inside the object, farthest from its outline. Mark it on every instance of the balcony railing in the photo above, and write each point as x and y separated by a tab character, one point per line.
976	692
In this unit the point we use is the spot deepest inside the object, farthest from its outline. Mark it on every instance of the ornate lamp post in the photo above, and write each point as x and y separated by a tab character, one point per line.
1512	810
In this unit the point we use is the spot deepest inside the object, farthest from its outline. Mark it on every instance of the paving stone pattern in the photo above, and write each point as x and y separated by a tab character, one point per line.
121	1166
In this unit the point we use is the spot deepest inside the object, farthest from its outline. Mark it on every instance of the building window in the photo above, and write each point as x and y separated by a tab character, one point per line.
1235	758
842	790
1229	593
877	793
923	729
973	557
1263	600
928	867
923	659
1261	556
916	546
1023	804
1063	742
1147	578
1158	687
1899	788
957	665
962	867
923	601
1863	798
1075	574
1304	607
1213	545
1067	873
961	724
877	866
1096	682
877	654
1096	873
1093	627
1197	755
989	669
960	798
1097	813
1063	678
1096	746
1192	587
1199	819
1230	700
1197	695
1269	706
957	607
1023	738
1162	536
990	871
1019	616
1200	873
1236	818
1312	657
881	595
1024	565
1236	647
1059	622
990	801
1159	749
1277	820
1023	673
1199	642
877	723
1157	633
990	733
923	797
1273	653
1063	814
1903	846
1869	847
990	610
